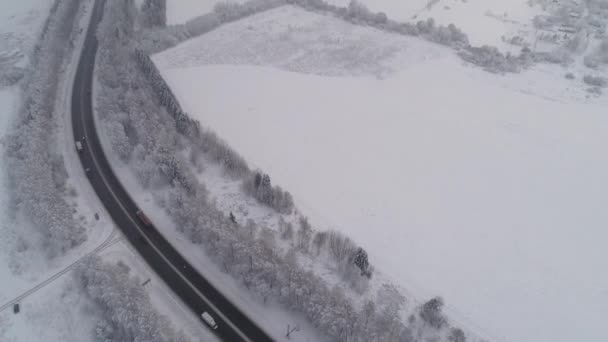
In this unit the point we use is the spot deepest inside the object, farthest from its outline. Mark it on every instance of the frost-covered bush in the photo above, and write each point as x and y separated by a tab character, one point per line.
304	235
154	13
230	11
457	335
598	56
431	313
318	241
259	186
37	175
577	43
115	131
490	59
203	24
358	11
596	81
558	56
125	307
216	149
9	75
591	62
285	229
340	246
450	36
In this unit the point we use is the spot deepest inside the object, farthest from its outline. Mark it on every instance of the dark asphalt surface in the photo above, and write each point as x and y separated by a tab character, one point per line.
194	290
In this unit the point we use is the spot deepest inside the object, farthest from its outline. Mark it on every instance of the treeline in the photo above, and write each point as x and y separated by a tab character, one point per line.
10	75
486	57
250	254
491	59
599	56
126	311
358	13
35	168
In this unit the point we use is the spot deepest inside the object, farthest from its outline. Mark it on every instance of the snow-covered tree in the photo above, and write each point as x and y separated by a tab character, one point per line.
360	260
154	13
35	169
260	187
457	335
431	313
125	307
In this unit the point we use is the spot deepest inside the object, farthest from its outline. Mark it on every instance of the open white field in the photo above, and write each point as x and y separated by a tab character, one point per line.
459	182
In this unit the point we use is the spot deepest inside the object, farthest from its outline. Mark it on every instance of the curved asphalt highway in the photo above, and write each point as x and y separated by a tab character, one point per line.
176	272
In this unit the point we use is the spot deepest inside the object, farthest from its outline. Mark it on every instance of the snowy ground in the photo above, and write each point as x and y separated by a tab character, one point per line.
484	189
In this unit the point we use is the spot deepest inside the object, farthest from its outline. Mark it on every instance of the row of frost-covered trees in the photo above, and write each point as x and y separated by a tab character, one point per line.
35	167
126	313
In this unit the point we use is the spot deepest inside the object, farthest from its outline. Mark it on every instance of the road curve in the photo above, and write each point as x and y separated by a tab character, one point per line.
194	290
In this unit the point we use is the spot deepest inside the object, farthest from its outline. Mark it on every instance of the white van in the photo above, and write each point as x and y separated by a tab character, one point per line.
209	320
78	146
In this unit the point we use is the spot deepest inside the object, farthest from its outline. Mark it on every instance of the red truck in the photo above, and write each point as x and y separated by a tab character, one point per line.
144	219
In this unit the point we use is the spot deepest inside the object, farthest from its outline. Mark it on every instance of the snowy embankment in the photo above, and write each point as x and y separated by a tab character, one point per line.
484	189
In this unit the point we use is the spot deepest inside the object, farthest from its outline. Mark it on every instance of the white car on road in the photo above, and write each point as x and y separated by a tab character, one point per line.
209	320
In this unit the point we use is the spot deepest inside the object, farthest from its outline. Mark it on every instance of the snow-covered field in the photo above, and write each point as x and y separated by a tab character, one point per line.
484	189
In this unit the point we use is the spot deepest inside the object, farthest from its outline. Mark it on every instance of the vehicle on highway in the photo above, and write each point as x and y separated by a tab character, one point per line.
78	146
209	320
144	219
